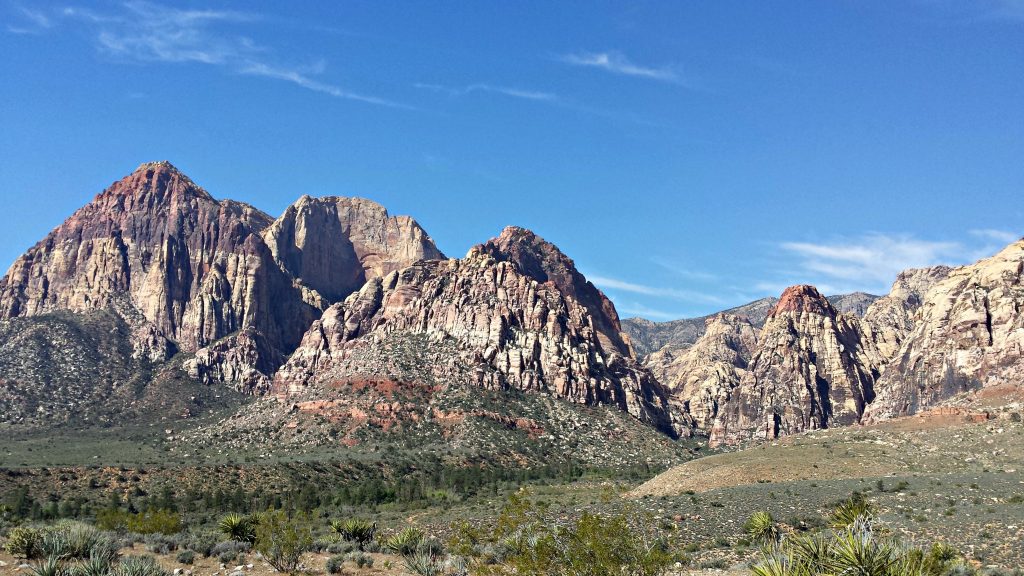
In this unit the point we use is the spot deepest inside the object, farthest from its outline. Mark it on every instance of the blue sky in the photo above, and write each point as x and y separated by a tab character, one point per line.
690	156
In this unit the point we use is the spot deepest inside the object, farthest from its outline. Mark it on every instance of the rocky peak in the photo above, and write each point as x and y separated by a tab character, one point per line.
158	182
545	263
812	369
803	298
335	244
502	329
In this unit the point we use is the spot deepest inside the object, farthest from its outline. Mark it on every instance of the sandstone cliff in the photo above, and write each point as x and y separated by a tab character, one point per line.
334	244
701	378
968	334
811	370
516	314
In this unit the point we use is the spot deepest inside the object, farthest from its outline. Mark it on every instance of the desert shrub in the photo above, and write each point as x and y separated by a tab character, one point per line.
160	543
355	530
55	543
341	547
229	550
847	512
138	566
282	540
404	542
334	564
25	542
424	564
239	528
200	542
761	528
360	559
529	541
148	522
186	557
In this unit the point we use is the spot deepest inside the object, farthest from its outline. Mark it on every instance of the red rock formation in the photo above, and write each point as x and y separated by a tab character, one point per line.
506	328
190	272
812	370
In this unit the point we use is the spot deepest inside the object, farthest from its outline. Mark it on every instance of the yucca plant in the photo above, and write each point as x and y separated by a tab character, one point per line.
52	566
761	528
356	530
856	507
404	542
97	565
238	528
424	564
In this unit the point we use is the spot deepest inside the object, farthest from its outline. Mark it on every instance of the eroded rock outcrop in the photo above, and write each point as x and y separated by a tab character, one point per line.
968	334
890	319
703	376
812	370
517	315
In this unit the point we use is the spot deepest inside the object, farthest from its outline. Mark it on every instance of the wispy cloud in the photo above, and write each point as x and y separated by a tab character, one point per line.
146	32
632	309
1001	236
684	271
871	262
617	63
481	87
32	21
605	282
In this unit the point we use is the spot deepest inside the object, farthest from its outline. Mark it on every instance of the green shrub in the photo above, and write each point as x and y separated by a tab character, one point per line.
186	557
355	530
148	522
527	540
25	542
761	528
96	565
282	540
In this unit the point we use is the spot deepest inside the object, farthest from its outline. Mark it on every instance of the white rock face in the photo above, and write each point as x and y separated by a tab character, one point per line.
968	334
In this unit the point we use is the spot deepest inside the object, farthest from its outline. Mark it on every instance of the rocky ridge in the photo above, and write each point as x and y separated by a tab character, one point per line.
518	315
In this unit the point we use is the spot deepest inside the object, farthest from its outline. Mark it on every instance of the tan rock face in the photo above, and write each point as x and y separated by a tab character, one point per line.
333	244
812	369
514	311
186	270
968	334
890	319
703	376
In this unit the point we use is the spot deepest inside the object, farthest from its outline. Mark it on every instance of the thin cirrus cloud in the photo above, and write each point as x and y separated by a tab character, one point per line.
146	32
489	88
871	262
615	284
617	63
31	21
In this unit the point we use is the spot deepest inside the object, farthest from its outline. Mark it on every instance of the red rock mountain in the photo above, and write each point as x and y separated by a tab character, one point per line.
194	274
515	314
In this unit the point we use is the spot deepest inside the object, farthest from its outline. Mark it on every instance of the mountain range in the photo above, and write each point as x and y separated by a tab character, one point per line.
337	323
